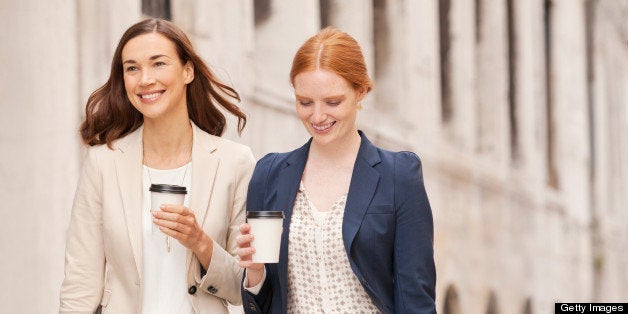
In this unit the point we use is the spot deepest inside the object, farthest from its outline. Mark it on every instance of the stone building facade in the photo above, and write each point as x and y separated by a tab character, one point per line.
518	109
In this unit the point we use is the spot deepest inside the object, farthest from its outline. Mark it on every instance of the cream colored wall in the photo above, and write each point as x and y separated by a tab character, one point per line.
46	46
39	148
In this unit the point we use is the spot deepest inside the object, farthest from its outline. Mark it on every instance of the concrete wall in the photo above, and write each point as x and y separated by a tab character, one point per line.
39	93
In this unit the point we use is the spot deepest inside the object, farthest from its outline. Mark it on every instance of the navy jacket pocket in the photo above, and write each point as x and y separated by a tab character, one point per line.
380	209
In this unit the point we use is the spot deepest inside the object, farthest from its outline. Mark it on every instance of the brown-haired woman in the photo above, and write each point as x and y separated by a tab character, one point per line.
156	121
357	234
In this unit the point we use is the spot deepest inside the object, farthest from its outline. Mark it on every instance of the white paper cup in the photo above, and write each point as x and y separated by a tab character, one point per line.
266	227
165	194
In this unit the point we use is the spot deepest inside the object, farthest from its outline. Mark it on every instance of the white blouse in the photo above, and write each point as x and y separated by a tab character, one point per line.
164	286
320	278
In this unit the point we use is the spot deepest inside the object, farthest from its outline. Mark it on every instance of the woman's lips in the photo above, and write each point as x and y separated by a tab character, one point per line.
323	128
150	97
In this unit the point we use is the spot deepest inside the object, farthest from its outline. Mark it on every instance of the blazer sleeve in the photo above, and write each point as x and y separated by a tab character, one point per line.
414	270
224	265
82	287
260	303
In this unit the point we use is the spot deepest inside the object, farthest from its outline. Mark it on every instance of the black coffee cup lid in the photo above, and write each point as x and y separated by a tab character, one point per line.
265	214
168	188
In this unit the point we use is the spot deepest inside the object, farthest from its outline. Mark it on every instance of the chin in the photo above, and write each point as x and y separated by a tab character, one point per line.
323	139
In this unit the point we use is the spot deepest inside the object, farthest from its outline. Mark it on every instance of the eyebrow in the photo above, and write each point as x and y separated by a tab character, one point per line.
151	58
341	96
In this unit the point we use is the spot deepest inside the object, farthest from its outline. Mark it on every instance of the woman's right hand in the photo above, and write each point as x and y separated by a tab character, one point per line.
254	271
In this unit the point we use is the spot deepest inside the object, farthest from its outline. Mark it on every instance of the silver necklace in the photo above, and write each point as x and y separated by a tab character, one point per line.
150	180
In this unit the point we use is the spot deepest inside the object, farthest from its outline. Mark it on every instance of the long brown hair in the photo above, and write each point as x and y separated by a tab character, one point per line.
334	51
109	114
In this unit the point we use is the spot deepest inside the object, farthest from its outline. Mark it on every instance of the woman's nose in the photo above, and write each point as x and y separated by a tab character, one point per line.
147	78
318	115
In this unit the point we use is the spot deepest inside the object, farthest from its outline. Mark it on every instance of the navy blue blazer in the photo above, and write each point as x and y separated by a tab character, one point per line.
387	228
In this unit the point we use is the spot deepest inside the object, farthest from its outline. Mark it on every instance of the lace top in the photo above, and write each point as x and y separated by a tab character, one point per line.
320	279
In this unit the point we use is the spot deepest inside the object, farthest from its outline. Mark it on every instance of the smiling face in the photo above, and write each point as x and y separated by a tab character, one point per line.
154	78
327	105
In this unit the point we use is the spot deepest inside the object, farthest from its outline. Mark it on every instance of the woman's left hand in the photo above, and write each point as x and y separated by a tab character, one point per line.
179	222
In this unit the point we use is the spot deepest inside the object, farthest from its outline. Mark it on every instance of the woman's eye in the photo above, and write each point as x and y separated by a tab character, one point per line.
159	63
333	103
131	68
305	103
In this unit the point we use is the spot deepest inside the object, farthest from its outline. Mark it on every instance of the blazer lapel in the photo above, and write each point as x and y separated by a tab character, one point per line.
204	168
364	182
128	170
287	187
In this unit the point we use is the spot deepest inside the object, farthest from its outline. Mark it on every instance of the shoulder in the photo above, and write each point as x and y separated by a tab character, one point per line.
272	160
387	158
231	147
101	150
97	160
129	142
269	164
227	150
405	166
407	159
278	161
100	153
399	160
408	172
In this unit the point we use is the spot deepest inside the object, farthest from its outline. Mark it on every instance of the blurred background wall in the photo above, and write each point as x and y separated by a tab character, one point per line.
518	109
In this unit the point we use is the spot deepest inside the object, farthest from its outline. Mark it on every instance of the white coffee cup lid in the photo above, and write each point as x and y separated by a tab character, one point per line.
265	214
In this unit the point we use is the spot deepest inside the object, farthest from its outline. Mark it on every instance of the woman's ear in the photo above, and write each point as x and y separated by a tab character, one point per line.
188	72
362	91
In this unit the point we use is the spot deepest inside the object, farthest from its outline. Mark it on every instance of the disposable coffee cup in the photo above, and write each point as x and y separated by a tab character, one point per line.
266	227
165	194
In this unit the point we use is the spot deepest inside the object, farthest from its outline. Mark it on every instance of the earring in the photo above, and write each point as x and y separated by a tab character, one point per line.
359	106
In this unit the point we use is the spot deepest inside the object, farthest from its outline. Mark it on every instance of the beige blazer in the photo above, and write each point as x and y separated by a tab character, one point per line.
103	264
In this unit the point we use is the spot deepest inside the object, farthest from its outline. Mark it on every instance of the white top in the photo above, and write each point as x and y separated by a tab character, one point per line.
320	279
164	286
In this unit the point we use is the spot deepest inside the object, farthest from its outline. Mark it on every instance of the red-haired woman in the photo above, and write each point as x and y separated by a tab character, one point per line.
156	121
358	231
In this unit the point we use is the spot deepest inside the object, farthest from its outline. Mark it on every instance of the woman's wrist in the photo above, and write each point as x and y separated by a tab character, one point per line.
254	276
204	250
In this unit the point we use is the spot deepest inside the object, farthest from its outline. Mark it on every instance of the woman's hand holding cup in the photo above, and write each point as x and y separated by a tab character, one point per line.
254	271
179	222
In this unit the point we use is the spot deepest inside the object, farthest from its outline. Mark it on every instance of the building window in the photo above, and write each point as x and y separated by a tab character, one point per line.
444	8
512	80
527	307
380	38
452	305
157	8
262	10
478	20
491	307
552	176
325	7
590	9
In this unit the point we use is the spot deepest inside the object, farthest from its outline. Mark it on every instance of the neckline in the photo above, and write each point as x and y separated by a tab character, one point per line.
311	204
167	170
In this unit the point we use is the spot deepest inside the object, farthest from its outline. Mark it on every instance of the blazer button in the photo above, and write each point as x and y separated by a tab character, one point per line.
212	290
252	306
192	290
